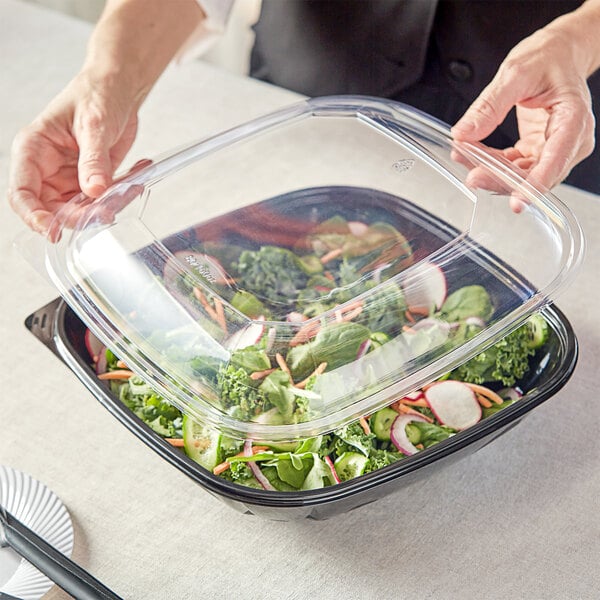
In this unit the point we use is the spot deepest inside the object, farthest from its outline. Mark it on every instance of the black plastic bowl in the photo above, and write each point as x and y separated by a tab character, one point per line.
63	332
59	328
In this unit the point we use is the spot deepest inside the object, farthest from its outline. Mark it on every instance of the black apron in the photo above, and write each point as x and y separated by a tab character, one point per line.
436	55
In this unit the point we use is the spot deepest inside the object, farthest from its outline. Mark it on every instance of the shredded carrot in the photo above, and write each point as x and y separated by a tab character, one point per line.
483	401
485	392
221	468
199	294
261	374
121	364
282	364
420	402
119	374
402	408
353	305
331	255
305	333
420	446
419	310
408	329
318	371
409	316
220	314
256	450
339	317
365	425
352	313
177	442
329	275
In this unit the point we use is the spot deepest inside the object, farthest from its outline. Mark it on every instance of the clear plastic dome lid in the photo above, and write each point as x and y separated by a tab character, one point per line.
290	275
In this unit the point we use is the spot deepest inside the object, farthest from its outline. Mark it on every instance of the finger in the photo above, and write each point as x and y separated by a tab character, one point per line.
491	107
94	165
569	140
24	186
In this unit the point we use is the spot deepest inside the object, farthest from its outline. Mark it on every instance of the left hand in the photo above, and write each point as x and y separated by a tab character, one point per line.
544	76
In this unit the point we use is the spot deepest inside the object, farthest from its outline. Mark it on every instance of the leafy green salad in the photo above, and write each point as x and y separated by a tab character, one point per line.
335	291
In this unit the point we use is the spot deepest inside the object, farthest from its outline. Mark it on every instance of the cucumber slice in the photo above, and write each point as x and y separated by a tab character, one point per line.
538	331
278	446
201	444
350	465
413	433
381	423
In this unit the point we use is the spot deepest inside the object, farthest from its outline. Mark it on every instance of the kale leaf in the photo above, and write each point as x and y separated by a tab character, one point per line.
505	362
273	274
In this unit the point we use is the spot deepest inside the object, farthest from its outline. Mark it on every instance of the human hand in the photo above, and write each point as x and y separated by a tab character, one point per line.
544	77
73	146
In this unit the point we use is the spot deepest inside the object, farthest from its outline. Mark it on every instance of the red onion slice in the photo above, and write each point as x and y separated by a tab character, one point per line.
93	345
398	433
510	393
101	362
476	321
271	334
258	474
363	348
334	474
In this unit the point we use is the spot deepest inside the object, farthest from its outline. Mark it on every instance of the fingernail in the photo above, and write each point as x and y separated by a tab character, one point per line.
40	222
464	127
96	180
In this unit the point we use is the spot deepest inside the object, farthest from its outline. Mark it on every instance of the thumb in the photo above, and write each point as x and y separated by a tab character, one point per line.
489	110
94	164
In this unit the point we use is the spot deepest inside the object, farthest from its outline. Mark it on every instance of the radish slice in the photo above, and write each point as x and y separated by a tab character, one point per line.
426	287
247	336
258	474
454	404
398	433
334	474
296	317
416	395
93	345
357	228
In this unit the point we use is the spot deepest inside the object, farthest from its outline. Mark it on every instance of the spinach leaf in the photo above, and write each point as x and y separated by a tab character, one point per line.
336	344
276	388
468	301
251	359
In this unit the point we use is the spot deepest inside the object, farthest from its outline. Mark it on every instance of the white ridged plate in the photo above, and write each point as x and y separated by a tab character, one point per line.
42	511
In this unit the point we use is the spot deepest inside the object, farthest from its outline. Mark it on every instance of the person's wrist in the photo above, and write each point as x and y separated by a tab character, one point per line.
578	32
135	40
115	86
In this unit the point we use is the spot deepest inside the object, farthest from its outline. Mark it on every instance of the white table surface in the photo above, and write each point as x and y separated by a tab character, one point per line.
518	519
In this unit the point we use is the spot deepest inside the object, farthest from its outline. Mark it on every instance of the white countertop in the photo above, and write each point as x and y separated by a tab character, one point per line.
518	519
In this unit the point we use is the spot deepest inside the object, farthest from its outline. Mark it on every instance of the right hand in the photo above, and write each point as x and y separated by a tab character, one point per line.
75	145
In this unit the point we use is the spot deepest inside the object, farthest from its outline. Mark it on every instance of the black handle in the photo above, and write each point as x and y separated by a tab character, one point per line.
67	574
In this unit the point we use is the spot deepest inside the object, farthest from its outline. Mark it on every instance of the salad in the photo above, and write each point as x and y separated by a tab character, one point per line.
335	289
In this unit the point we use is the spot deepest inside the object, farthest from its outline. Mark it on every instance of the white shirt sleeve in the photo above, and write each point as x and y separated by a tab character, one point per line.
209	31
